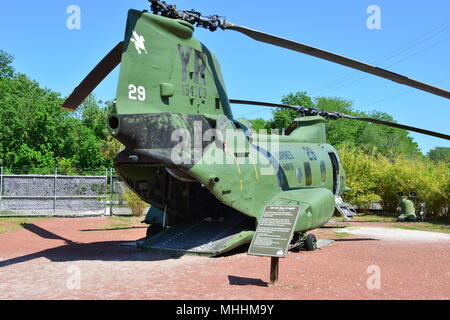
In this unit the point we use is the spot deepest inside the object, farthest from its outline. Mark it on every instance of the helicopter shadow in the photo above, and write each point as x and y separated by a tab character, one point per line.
102	250
112	229
356	239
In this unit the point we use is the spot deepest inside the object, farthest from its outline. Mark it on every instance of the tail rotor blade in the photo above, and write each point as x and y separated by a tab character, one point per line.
92	80
326	55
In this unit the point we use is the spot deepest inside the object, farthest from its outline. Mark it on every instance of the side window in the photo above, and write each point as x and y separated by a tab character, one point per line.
323	171
299	175
308	173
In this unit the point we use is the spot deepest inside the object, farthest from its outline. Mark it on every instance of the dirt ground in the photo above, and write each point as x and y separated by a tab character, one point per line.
83	259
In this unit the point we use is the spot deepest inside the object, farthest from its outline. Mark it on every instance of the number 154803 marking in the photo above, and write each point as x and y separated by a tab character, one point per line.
193	91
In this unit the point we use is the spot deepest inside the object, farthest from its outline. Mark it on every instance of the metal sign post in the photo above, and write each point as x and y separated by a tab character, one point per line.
54	190
274	267
274	234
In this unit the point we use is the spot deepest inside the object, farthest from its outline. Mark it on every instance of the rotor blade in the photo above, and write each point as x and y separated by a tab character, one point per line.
263	104
326	55
92	80
401	126
335	115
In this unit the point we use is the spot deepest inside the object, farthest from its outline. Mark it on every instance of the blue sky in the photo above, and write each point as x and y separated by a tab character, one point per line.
416	34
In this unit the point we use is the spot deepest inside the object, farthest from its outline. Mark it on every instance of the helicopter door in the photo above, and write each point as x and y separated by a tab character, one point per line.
335	164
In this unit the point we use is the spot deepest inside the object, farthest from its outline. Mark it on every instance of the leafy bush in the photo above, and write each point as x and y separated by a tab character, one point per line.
375	177
135	203
361	171
66	166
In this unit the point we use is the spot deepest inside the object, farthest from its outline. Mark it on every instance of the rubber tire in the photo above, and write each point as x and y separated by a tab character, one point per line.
310	242
153	230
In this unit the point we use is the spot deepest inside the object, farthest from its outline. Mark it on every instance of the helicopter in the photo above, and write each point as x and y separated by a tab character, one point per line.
208	176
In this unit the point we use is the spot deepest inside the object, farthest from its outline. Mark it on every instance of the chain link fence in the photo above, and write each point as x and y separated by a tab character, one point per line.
118	204
61	194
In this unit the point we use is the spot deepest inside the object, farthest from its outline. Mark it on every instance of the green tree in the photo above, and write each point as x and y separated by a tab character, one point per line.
37	134
93	115
439	154
258	124
342	132
33	126
6	69
283	117
387	140
88	156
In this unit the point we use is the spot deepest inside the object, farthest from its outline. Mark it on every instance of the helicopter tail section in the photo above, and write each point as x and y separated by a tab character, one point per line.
170	88
164	69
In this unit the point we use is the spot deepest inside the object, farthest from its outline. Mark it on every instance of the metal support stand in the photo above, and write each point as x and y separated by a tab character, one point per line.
106	192
111	191
54	190
274	266
1	187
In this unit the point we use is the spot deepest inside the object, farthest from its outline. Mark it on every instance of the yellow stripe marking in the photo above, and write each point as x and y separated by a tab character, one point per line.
254	167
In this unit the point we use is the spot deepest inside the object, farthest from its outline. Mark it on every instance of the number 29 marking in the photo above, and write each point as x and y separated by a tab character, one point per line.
133	90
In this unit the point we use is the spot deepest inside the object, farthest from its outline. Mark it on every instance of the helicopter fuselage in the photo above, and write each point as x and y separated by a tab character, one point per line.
186	155
238	170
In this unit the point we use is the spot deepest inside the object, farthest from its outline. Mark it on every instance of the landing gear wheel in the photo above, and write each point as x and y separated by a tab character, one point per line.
152	230
310	242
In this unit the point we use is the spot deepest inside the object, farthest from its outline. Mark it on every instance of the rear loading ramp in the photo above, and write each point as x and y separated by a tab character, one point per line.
204	237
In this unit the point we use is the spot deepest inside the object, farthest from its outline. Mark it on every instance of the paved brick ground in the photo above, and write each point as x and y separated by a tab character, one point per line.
78	259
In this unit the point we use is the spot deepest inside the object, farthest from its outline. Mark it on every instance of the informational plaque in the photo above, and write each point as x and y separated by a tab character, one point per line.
274	231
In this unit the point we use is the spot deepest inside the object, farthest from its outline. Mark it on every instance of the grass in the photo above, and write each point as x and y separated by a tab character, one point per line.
14	224
116	222
426	226
340	235
369	218
10	224
390	219
5	212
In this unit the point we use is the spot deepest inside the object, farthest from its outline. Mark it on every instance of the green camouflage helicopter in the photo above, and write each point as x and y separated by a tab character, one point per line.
207	176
